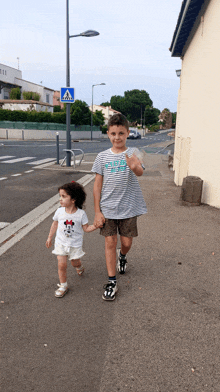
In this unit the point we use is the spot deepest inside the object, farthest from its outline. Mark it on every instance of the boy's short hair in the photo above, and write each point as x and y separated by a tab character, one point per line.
118	119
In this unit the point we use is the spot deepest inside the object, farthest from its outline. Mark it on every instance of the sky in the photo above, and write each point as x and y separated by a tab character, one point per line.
131	52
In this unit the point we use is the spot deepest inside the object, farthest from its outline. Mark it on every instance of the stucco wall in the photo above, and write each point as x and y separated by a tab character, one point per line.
28	134
197	144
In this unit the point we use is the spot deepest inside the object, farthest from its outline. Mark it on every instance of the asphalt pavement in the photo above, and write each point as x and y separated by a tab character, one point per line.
161	334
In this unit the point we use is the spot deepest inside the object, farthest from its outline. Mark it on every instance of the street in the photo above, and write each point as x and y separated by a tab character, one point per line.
24	186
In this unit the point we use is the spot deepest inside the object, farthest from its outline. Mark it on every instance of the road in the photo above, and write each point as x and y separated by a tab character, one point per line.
24	187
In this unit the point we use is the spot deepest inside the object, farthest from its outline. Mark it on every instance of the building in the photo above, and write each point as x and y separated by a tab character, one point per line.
107	111
56	99
196	40
12	77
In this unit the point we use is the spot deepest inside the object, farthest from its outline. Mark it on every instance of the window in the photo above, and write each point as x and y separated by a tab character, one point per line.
47	98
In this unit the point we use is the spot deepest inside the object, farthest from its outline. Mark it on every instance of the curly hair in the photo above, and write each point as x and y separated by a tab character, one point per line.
118	119
76	192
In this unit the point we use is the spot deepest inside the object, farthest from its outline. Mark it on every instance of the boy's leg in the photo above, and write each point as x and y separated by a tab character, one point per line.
76	263
110	254
126	243
110	288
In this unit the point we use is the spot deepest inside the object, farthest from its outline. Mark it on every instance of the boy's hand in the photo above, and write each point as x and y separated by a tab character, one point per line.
48	243
99	220
134	164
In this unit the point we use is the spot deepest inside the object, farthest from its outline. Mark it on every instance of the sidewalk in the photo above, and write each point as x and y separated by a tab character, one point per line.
161	334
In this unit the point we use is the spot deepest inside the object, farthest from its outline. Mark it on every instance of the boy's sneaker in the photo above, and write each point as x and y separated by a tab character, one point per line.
121	263
110	291
61	291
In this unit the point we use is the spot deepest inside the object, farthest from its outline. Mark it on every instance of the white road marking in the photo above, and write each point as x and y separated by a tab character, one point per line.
3	178
19	159
16	175
7	156
40	161
29	171
24	225
4	224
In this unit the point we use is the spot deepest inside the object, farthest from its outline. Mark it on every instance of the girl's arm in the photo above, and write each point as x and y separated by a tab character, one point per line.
53	230
97	189
134	164
88	228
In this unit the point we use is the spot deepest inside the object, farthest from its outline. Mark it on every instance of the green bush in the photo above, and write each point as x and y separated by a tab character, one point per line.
154	127
15	93
31	96
57	109
104	129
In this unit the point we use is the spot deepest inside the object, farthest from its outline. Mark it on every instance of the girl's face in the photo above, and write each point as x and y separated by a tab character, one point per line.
65	199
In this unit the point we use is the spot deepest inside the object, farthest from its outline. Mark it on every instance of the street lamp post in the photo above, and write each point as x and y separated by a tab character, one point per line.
88	33
99	84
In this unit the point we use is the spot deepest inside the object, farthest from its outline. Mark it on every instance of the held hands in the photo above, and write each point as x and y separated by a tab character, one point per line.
99	220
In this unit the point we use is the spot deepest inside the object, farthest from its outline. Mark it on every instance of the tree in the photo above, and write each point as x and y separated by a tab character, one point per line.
151	115
15	93
80	113
98	118
132	105
105	104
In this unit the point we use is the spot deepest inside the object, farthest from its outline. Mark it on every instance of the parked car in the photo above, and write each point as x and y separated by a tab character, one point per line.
134	135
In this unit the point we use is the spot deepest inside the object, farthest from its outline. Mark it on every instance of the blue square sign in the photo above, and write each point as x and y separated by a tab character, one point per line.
67	94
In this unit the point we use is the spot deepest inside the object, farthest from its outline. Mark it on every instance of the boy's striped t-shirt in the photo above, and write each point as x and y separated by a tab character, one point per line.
121	195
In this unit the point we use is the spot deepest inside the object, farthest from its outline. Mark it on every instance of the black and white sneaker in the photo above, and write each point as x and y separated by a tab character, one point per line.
121	263
110	291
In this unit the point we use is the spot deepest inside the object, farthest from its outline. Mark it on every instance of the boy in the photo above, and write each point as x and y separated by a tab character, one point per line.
118	198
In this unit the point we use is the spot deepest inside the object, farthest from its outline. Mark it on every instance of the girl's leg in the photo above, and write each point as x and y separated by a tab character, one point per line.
126	243
77	264
110	254
62	266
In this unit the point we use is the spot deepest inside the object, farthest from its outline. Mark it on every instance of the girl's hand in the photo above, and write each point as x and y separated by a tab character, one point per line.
48	243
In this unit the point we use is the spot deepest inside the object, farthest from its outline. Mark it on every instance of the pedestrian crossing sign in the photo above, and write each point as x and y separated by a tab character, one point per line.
67	94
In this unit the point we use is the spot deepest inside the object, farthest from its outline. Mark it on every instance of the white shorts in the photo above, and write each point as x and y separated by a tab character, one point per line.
70	251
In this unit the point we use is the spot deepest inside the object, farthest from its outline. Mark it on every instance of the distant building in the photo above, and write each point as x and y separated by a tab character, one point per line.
197	138
107	111
56	99
12	77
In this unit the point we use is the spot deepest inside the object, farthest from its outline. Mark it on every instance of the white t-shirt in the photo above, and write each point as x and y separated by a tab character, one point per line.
70	231
121	195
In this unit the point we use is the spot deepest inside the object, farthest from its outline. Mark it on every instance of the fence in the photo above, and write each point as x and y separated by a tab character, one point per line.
41	126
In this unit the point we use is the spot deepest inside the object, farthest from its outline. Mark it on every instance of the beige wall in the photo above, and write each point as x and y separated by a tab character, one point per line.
197	144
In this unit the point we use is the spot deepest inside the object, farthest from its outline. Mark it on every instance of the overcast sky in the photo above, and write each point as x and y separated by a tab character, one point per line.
131	52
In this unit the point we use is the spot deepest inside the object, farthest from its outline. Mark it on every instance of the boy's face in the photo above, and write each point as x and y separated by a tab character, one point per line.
118	135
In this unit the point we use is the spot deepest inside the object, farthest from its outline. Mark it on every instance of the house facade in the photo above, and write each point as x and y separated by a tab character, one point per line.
107	111
12	77
197	138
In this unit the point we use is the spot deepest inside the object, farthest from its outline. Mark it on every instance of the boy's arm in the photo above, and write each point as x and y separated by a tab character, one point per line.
53	230
134	164
99	217
88	228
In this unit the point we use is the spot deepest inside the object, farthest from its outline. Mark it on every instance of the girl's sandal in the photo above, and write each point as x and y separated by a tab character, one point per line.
80	270
61	291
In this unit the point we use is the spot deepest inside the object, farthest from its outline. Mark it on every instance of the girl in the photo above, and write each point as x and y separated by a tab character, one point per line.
69	223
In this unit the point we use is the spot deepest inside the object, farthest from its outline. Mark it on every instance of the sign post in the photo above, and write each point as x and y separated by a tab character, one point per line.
67	96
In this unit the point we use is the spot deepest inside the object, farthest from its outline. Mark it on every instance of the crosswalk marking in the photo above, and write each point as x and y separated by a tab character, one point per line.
7	156
16	175
3	178
29	171
18	160
40	161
